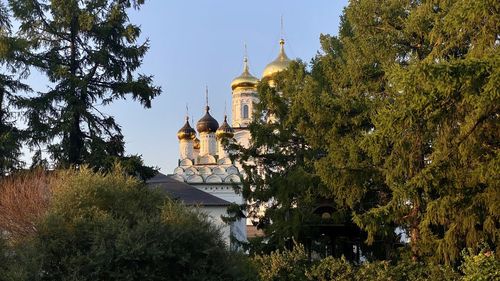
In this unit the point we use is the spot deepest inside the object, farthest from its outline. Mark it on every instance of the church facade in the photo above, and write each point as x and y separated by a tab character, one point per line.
204	161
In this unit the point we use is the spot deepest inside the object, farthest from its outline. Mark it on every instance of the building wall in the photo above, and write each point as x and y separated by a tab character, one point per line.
214	214
223	191
241	98
226	192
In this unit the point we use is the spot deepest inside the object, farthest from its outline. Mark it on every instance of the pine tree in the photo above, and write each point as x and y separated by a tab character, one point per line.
397	123
10	135
346	87
281	176
428	71
279	173
88	51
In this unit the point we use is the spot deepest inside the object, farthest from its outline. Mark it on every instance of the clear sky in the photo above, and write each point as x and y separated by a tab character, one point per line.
198	43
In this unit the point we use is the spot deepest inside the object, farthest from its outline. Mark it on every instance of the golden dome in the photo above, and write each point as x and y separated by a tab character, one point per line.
225	131
207	124
186	132
279	64
245	79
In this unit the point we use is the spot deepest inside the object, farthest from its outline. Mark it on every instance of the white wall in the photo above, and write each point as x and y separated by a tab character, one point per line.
214	213
224	191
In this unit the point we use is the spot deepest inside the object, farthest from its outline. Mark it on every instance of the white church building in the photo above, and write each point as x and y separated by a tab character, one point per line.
204	162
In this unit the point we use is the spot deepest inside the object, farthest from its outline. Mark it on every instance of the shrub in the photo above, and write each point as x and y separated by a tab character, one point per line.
112	227
481	267
24	199
294	265
331	269
283	264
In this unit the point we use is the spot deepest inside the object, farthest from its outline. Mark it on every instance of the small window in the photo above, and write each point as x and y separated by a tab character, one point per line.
245	111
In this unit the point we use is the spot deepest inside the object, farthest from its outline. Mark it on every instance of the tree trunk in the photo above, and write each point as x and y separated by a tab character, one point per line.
2	113
75	134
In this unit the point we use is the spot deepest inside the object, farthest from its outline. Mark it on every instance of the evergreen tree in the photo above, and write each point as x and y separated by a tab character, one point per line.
10	135
408	119
277	165
354	87
398	120
88	50
281	177
435	132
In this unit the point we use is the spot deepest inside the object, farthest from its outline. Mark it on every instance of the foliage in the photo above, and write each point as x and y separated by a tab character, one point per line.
294	264
24	200
133	165
89	52
404	270
11	136
480	267
282	185
396	124
112	227
283	264
282	180
4	260
436	121
331	269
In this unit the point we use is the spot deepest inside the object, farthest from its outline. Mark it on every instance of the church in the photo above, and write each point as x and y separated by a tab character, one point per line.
204	164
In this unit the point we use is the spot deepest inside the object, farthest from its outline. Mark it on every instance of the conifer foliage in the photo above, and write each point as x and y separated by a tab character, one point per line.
10	134
436	125
88	50
400	113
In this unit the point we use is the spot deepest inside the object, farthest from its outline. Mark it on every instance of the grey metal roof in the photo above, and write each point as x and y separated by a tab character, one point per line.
184	192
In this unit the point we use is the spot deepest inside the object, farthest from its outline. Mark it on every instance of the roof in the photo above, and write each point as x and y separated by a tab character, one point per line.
207	123
187	194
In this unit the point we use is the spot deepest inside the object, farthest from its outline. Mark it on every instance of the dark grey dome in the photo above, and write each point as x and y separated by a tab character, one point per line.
207	124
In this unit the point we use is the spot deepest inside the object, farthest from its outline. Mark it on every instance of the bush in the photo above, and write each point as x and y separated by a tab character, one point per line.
24	199
405	270
283	265
294	265
331	269
112	227
481	267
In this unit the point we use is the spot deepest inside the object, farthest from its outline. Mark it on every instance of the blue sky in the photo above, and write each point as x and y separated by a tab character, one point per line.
198	43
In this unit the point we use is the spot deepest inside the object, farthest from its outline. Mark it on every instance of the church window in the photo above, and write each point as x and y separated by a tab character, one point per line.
245	111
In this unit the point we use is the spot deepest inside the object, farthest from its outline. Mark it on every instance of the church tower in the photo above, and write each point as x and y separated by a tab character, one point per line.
270	71
224	133
207	126
204	159
244	99
186	136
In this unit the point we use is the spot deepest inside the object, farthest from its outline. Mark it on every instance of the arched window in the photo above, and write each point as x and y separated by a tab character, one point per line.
245	111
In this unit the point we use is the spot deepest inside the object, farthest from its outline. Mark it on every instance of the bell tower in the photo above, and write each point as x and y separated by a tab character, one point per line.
244	96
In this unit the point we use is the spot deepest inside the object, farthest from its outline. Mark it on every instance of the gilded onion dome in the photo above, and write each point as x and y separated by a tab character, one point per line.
225	131
279	64
207	124
245	79
196	143
186	132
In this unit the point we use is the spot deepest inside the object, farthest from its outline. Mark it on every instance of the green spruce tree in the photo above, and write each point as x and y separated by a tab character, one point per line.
89	52
416	90
434	127
398	120
11	136
277	163
287	198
